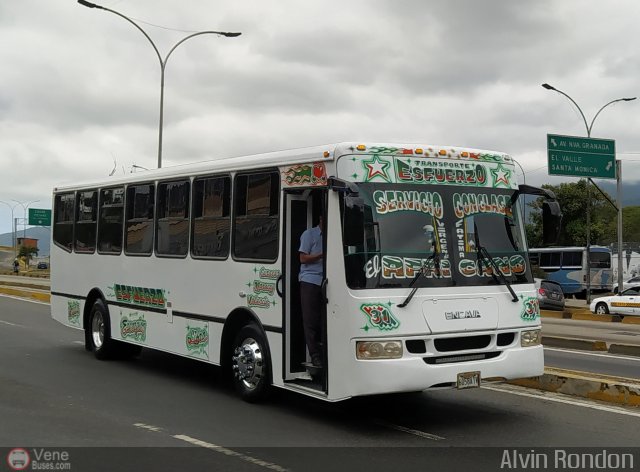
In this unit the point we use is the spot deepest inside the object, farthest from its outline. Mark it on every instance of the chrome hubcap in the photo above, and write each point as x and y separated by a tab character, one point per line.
247	363
97	329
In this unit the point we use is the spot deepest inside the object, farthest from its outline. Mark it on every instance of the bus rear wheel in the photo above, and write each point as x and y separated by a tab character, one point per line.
99	331
251	364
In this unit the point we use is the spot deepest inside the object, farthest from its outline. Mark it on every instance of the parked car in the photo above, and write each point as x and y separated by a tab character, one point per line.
550	295
625	303
43	265
632	282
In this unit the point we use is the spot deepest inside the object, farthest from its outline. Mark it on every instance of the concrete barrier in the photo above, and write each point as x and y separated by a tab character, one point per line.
631	320
28	294
591	317
586	385
626	349
554	314
574	343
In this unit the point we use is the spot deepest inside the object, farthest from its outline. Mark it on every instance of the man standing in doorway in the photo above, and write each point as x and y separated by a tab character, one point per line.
311	275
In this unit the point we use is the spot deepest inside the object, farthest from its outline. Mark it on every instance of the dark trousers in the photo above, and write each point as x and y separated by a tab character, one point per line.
311	301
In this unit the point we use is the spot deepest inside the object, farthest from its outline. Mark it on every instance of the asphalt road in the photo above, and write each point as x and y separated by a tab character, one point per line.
177	414
594	362
597	330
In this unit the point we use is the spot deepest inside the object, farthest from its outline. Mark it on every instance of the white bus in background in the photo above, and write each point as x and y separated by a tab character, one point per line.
568	267
427	282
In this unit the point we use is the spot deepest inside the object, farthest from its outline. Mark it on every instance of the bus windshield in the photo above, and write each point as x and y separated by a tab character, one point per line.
448	235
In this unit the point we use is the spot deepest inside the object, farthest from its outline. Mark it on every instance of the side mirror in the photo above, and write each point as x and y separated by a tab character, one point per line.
551	222
353	224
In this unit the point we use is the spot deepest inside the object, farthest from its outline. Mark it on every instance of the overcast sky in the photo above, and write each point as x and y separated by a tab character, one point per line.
79	87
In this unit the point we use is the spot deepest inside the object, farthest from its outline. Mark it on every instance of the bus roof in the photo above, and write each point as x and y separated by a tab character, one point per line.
326	152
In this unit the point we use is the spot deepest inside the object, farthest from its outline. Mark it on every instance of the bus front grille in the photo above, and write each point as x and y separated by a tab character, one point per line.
460	358
463	343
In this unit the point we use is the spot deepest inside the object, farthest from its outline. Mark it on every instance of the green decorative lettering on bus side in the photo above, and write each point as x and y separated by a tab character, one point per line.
141	296
73	312
268	288
197	340
133	326
530	309
379	317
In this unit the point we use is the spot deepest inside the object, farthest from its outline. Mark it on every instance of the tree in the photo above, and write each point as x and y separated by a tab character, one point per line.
574	201
27	252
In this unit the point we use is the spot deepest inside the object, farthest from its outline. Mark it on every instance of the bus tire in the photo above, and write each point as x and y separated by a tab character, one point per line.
601	309
99	331
251	364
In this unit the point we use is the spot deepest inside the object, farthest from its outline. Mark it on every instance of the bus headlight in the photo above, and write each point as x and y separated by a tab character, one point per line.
530	338
378	349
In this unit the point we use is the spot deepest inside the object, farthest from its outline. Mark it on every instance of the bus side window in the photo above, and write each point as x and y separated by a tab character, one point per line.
110	220
63	220
86	222
172	224
140	207
255	219
211	217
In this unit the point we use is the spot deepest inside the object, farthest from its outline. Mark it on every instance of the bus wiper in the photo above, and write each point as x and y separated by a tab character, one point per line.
415	289
483	254
436	260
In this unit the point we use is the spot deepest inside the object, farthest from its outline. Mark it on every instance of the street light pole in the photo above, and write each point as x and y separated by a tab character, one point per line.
163	62
25	207
13	233
618	207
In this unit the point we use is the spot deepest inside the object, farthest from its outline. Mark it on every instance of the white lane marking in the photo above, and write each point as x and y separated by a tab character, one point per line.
214	447
230	452
82	342
12	324
415	432
586	353
23	299
560	398
146	426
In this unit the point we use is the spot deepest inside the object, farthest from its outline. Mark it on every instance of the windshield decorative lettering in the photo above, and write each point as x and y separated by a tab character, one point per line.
401	200
440	237
465	204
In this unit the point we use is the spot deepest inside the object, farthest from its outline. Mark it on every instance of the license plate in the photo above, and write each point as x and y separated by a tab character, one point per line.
468	380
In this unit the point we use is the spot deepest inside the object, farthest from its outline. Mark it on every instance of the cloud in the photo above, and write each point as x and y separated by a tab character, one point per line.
81	86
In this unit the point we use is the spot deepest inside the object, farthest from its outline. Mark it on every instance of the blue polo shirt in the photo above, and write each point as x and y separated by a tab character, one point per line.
311	243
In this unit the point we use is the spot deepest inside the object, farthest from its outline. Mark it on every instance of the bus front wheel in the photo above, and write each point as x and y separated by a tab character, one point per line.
99	328
251	364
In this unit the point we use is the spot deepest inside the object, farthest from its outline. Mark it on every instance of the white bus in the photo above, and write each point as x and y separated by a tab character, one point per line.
568	267
426	277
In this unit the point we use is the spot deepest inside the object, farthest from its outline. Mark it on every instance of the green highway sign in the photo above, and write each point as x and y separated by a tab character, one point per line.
39	217
581	157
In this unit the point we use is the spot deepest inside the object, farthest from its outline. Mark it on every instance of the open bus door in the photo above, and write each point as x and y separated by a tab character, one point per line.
302	210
